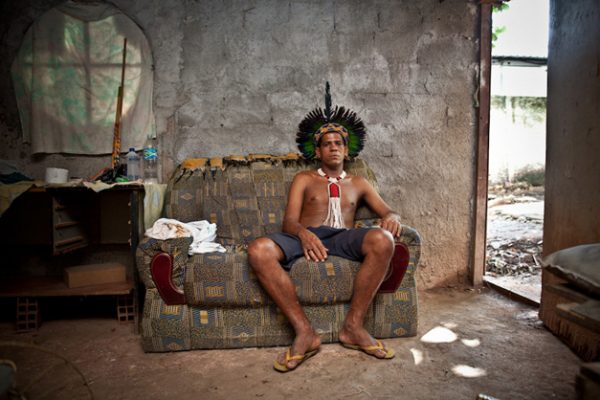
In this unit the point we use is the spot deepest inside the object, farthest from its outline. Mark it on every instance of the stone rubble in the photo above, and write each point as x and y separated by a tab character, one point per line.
514	245
514	258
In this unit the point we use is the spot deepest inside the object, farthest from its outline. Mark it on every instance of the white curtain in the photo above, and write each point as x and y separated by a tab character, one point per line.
66	78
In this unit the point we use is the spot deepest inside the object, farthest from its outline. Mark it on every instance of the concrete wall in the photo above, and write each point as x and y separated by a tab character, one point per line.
236	77
572	212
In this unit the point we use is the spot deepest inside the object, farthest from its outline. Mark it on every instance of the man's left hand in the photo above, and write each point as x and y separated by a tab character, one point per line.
391	223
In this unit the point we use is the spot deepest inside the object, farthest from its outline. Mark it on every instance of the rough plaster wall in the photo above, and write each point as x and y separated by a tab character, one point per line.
572	214
236	77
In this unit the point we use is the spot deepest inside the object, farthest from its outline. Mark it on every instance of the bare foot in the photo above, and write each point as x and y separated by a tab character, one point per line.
303	343
359	338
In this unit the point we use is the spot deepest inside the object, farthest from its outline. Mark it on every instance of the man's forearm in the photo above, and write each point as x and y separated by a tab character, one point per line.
293	228
312	246
391	214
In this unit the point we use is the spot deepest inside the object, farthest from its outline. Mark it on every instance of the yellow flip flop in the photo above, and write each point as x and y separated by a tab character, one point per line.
289	357
389	353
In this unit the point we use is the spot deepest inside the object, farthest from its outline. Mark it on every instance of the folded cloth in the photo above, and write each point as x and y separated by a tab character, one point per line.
203	234
154	198
9	193
14	177
98	186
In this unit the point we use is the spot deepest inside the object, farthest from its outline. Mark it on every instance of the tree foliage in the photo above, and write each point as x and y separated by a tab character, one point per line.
498	30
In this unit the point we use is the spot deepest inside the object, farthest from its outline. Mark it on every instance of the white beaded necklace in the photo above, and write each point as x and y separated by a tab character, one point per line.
335	219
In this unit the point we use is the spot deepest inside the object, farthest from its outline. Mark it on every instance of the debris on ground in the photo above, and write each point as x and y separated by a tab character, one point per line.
517	257
514	243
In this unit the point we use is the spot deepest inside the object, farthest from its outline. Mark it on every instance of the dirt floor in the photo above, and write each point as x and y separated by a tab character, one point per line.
470	342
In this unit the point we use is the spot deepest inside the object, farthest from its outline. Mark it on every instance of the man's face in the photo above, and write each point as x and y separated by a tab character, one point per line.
332	149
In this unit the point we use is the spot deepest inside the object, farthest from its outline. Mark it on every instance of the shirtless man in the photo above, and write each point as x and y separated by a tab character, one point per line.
307	209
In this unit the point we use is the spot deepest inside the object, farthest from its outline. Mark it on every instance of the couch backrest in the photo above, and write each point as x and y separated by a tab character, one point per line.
244	196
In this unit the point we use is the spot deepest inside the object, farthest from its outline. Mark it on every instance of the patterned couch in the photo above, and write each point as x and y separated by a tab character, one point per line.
214	300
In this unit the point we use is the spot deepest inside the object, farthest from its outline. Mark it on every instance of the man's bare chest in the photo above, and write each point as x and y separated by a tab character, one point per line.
317	195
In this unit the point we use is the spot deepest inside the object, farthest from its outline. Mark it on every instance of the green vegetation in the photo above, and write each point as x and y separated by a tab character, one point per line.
497	30
532	174
495	33
530	110
500	7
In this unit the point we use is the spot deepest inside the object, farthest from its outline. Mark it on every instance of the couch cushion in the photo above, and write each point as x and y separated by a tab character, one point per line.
226	279
223	279
580	265
327	282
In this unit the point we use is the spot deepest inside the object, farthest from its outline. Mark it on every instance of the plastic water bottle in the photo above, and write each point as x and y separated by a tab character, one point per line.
150	163
133	165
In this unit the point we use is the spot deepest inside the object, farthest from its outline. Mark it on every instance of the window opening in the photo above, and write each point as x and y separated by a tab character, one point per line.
66	79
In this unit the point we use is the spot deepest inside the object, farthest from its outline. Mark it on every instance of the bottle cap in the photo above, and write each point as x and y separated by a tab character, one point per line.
131	149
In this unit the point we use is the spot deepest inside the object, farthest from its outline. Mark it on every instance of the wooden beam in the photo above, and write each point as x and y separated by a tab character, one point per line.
485	68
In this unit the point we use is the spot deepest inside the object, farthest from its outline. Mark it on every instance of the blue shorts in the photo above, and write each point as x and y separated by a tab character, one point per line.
346	243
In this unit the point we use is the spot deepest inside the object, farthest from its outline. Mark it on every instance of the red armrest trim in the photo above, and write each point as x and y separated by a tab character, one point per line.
398	267
161	268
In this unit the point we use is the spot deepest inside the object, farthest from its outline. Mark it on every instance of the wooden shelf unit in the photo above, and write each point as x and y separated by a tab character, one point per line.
53	286
57	221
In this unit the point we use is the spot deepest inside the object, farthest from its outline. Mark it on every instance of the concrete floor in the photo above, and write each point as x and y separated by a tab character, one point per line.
489	345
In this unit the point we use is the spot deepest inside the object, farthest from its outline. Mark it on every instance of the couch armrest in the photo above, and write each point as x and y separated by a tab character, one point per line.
406	256
397	269
177	249
412	240
161	268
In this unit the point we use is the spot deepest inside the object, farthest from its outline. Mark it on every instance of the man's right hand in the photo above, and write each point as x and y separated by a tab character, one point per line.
312	246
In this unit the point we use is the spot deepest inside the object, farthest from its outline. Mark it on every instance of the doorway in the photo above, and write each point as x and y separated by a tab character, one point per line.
517	147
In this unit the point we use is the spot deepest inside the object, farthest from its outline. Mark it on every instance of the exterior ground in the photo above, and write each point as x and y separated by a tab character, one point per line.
470	342
514	242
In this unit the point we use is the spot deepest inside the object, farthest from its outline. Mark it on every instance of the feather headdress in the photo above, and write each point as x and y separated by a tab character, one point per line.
321	121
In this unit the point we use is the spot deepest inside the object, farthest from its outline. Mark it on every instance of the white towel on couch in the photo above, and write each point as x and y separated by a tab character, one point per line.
203	234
